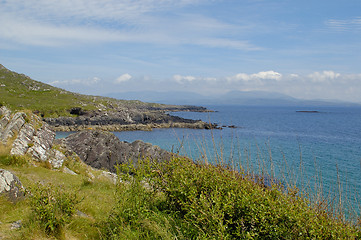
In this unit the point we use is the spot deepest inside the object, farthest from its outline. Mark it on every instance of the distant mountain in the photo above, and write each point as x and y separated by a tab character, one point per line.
173	97
246	98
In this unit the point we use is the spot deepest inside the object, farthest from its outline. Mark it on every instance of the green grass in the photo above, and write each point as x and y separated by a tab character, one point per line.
198	201
172	200
95	199
20	92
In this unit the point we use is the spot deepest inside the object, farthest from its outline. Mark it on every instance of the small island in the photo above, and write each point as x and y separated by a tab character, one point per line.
307	111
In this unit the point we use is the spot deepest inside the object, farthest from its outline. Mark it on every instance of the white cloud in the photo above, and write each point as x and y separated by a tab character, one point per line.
191	79
59	23
332	85
123	78
87	82
240	77
210	79
267	75
227	43
183	79
126	10
30	32
345	24
95	79
324	76
294	75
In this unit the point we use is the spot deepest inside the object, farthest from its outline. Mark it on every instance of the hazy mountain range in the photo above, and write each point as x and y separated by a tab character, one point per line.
249	98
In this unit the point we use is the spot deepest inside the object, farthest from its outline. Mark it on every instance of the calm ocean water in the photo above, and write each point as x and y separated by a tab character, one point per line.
305	148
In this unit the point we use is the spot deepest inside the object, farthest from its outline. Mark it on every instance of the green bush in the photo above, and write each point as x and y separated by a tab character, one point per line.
197	201
52	208
136	215
13	160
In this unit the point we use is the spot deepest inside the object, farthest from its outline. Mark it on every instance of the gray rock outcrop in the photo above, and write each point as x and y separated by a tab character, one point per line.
10	124
101	149
42	142
33	137
124	119
11	186
56	158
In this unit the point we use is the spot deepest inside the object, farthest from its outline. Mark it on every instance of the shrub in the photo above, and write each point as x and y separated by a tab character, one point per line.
136	216
52	208
199	201
13	160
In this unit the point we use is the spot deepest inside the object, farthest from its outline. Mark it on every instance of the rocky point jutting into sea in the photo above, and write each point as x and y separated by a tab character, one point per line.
126	120
68	111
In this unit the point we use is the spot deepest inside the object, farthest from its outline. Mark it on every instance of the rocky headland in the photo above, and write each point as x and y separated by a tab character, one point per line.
144	119
68	111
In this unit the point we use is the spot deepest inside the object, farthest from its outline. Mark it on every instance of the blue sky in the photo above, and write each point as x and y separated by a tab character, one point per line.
306	49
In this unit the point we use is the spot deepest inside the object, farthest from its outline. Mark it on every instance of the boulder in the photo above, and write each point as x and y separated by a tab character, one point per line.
42	143
68	171
56	158
101	149
112	177
11	186
16	225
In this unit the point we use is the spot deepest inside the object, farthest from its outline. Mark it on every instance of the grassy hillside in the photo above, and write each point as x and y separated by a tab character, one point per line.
174	200
19	91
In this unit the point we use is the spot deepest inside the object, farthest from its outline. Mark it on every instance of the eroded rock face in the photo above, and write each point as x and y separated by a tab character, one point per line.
56	158
33	136
10	125
42	143
5	117
23	141
101	149
11	186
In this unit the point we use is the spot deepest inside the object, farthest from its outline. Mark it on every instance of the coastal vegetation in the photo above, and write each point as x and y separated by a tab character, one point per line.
179	199
149	198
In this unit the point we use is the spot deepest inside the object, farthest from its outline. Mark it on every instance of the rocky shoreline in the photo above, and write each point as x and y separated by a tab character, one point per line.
132	127
27	134
129	120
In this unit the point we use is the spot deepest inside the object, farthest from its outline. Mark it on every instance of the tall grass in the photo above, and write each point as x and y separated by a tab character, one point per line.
264	164
187	200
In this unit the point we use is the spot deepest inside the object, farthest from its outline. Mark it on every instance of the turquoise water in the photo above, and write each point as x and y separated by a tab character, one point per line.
304	148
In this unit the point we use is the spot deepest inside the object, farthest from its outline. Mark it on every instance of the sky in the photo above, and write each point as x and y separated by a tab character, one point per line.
307	49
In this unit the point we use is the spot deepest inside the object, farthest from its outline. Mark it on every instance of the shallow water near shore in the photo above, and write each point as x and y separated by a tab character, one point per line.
307	148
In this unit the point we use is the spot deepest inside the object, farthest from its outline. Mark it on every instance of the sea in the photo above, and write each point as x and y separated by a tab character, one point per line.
316	149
